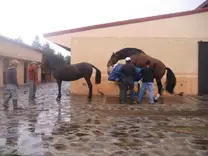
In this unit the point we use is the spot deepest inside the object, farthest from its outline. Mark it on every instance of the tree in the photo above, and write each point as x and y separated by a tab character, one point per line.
36	43
19	39
47	49
68	59
60	56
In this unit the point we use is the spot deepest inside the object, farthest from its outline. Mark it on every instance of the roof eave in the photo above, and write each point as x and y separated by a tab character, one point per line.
202	5
66	48
125	22
20	44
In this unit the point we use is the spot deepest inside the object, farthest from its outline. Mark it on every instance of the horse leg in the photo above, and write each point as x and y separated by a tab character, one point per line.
160	89
59	82
89	83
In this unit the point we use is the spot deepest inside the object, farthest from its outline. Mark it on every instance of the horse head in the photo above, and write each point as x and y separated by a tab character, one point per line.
113	60
122	54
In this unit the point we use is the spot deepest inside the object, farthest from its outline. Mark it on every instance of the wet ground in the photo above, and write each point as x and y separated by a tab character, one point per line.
176	126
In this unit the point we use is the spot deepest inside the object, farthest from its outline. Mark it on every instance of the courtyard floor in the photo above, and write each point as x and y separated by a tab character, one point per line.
176	126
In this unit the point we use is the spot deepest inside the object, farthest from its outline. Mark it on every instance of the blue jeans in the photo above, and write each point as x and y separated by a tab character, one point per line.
145	85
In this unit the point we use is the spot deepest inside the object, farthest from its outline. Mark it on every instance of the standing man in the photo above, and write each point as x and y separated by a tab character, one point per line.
147	82
128	72
12	85
33	79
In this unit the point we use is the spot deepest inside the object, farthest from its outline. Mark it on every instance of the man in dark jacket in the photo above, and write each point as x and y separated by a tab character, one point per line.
12	85
147	82
127	71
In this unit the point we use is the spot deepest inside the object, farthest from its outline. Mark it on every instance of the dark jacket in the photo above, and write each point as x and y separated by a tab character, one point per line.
147	74
11	76
128	71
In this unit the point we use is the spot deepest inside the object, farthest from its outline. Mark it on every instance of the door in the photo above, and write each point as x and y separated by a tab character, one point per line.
203	68
25	72
5	67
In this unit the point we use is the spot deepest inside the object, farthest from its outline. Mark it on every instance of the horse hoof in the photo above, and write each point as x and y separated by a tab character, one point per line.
58	99
89	99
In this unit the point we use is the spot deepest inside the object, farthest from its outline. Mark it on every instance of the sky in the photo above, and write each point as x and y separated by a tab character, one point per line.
26	18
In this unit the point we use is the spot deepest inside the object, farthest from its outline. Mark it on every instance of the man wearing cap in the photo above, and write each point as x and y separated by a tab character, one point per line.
127	72
33	79
12	85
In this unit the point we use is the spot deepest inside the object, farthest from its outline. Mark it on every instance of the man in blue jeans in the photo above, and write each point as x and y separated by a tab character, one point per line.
147	82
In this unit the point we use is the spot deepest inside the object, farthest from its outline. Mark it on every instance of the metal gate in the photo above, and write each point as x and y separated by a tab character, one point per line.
203	68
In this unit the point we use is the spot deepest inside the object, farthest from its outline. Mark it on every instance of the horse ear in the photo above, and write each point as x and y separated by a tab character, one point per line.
113	54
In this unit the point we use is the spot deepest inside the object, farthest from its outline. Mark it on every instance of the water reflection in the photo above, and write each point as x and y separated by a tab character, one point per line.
30	142
22	131
12	129
59	112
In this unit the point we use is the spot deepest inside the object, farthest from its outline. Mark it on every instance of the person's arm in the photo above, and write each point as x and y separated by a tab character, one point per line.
153	72
142	72
31	69
36	71
134	71
36	79
121	69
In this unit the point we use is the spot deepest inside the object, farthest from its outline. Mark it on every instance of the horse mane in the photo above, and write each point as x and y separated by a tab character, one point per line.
54	61
126	52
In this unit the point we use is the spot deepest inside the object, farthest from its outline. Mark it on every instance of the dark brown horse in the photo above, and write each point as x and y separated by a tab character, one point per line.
64	72
138	58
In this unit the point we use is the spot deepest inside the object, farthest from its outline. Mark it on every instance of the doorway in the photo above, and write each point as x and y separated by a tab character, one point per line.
25	72
202	68
5	67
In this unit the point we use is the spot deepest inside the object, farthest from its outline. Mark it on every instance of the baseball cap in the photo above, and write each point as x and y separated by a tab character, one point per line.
128	59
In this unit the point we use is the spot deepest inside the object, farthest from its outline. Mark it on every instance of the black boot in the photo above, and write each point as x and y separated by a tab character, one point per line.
15	105
6	103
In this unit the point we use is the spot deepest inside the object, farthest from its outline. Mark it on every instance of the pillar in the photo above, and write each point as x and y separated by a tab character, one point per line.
20	73
1	72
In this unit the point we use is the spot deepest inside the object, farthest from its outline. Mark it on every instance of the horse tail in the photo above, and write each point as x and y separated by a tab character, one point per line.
97	75
170	81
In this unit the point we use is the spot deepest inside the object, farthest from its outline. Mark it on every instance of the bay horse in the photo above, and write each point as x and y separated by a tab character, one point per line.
64	72
138	58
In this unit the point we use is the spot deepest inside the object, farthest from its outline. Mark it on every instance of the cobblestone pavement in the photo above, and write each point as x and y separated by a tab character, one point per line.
177	126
